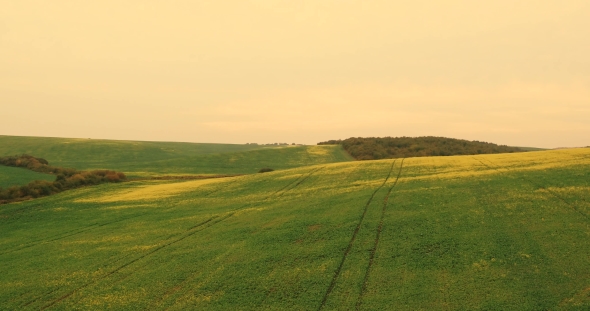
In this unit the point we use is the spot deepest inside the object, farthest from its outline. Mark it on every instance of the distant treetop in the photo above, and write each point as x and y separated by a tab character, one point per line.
374	148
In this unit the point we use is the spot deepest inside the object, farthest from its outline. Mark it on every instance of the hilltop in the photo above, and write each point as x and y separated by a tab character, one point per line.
375	148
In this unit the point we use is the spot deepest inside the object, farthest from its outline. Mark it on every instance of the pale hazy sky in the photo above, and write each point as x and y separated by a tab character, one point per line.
513	72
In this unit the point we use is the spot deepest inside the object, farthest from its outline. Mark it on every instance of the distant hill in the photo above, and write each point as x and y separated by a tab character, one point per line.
148	158
374	148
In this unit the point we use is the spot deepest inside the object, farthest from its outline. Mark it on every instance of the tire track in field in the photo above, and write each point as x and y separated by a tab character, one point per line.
553	193
445	291
352	240
298	182
67	234
111	260
261	303
377	237
157	302
221	187
189	232
74	232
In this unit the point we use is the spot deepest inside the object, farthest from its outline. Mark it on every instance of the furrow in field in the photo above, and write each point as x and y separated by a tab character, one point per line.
352	240
553	193
191	231
377	237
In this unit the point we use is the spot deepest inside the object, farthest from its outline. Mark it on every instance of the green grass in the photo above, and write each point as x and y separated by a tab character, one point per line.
532	148
488	232
137	158
14	176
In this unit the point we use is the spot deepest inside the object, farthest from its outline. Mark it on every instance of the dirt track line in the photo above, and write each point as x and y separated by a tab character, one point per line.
352	240
297	183
36	299
191	231
67	234
573	207
136	259
53	238
377	237
143	256
280	192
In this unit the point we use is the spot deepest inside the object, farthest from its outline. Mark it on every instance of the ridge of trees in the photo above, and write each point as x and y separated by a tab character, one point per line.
374	148
66	178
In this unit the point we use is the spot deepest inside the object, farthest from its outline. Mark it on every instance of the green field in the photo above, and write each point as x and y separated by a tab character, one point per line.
487	232
14	176
138	158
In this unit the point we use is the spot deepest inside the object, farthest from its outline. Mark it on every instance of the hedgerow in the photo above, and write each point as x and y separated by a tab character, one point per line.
66	178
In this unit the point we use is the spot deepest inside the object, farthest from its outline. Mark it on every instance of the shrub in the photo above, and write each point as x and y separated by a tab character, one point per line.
266	169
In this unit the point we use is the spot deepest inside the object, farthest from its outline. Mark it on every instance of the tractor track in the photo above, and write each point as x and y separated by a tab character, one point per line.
267	295
110	261
189	232
83	229
74	232
352	240
377	237
67	234
290	186
186	235
557	196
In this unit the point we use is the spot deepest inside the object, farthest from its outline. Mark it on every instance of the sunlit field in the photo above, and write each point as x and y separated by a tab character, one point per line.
487	232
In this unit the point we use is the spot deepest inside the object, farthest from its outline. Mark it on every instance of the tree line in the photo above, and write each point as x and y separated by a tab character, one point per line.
66	178
374	148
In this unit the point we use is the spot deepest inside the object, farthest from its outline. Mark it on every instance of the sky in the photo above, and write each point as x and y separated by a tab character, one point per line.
265	71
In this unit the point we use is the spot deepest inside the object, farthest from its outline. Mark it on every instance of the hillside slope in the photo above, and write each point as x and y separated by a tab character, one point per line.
137	158
507	231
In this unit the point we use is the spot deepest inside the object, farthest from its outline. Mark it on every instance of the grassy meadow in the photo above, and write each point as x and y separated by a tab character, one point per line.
140	159
486	232
14	176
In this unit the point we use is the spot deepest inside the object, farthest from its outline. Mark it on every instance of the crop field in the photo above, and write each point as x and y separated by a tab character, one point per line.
486	232
14	176
140	159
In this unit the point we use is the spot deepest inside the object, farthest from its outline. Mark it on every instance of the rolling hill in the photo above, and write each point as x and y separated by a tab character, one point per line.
484	232
138	158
